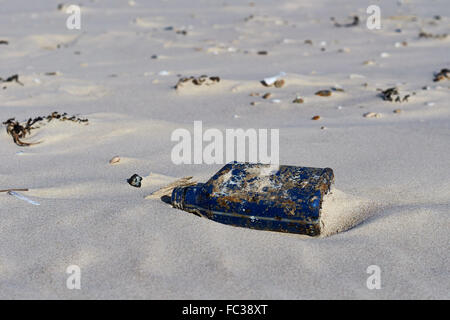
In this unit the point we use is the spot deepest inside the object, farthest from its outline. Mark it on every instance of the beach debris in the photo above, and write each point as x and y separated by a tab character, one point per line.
202	80
384	55
135	180
163	73
323	93
442	75
270	81
354	22
114	160
260	196
267	95
393	95
167	190
14	189
279	83
356	76
401	44
315	118
276	101
4	42
22	197
372	115
427	35
298	99
337	89
20	130
12	78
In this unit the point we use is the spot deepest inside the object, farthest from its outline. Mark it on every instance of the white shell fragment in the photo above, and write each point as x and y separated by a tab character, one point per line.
372	115
271	80
22	197
114	160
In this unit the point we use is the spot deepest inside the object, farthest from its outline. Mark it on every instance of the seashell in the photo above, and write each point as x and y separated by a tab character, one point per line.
315	118
372	115
114	160
271	80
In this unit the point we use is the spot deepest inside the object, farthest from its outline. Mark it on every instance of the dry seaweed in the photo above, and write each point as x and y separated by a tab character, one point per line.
442	75
354	23
12	78
202	80
393	95
427	35
19	130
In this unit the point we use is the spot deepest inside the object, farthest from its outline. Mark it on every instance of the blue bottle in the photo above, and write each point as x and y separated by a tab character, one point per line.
260	196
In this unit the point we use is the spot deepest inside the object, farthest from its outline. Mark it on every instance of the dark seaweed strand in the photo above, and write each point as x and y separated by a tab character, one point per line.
19	130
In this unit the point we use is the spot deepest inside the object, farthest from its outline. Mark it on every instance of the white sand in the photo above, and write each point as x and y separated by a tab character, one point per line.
392	172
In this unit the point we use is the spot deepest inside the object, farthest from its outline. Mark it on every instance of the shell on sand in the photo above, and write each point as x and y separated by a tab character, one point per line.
114	160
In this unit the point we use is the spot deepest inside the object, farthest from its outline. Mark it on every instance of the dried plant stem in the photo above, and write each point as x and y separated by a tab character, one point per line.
167	190
7	190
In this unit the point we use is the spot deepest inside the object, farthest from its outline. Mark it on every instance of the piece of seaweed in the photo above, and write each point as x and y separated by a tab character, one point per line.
19	130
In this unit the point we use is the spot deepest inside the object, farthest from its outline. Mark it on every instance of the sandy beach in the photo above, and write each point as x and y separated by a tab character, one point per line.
391	203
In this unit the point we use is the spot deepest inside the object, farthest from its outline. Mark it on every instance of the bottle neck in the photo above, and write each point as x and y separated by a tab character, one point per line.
185	197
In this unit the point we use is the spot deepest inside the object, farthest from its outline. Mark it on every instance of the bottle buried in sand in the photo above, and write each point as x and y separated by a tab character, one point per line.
260	196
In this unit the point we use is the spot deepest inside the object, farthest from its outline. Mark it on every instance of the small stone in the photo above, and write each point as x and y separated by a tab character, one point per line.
135	180
298	100
279	83
267	95
315	118
323	93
